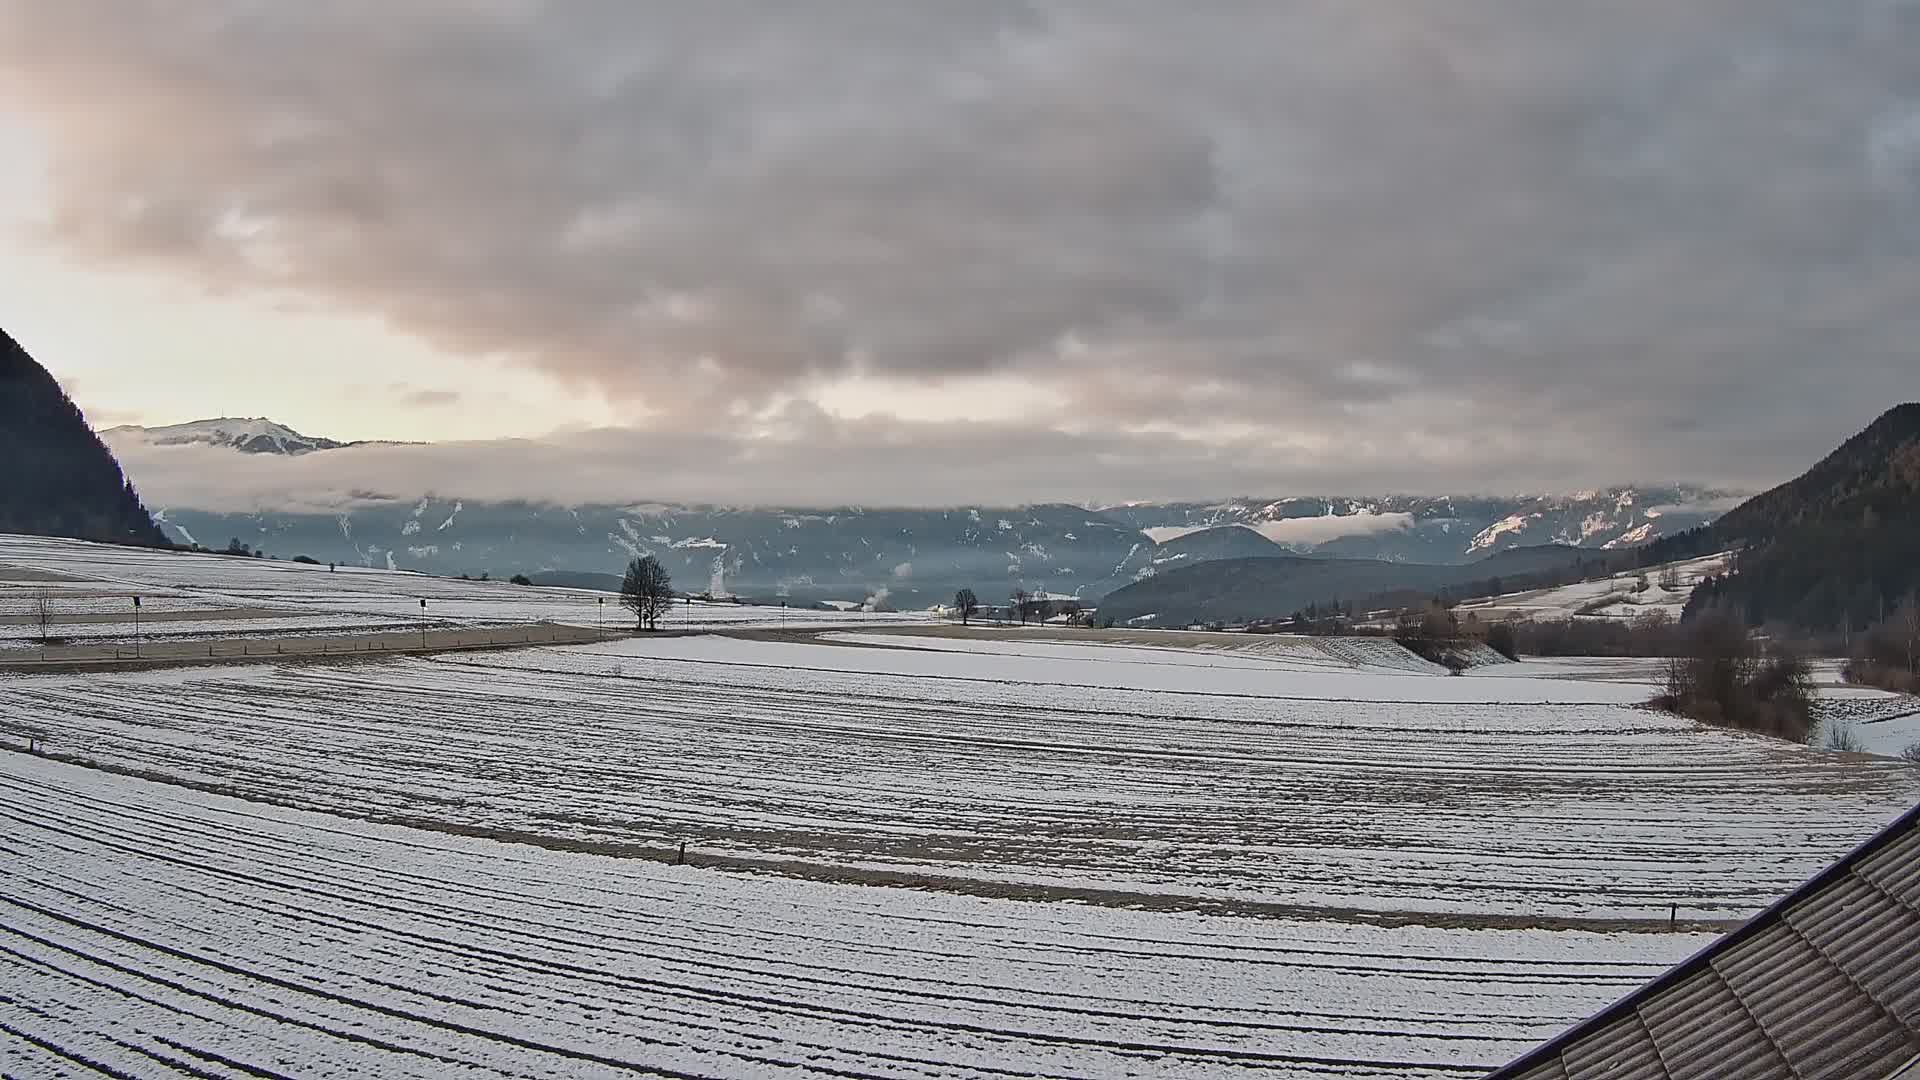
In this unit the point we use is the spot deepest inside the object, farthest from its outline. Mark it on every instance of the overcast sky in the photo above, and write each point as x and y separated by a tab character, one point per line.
982	251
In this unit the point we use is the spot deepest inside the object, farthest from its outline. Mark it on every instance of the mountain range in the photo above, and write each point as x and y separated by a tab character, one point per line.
1832	549
917	556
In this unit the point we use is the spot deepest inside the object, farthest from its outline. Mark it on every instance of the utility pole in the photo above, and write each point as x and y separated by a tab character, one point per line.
136	627
603	616
423	622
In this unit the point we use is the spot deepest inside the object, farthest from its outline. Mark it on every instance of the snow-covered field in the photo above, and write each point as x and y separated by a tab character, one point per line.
148	930
86	579
26	635
915	853
1116	775
1293	651
1618	597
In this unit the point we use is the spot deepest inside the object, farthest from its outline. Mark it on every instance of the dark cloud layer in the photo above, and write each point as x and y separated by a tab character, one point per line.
1654	238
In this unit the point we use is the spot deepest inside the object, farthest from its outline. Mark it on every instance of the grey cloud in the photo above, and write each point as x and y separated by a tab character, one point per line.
1677	236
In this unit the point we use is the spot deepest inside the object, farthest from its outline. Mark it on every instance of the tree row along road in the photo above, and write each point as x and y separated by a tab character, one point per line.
396	642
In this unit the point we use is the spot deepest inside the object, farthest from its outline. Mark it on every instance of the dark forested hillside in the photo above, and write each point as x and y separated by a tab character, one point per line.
1874	475
1821	576
1836	547
1241	590
58	479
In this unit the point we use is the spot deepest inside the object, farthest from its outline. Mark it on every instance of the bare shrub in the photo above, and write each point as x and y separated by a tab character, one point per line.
1886	677
1840	735
1650	633
1503	639
1911	753
1600	604
1888	654
1428	633
1721	678
1652	623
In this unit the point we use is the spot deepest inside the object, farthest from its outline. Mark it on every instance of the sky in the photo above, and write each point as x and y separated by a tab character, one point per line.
866	250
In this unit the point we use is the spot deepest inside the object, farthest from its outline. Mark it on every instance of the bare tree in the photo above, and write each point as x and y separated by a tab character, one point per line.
1716	662
966	604
1021	598
1907	626
646	591
43	613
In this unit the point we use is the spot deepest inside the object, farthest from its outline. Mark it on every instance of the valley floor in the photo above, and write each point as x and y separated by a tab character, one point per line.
154	931
188	601
1133	855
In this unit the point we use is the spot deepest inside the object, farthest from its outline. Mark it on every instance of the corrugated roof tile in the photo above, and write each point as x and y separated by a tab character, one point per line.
1896	870
1622	1051
1824	985
1698	1025
1877	950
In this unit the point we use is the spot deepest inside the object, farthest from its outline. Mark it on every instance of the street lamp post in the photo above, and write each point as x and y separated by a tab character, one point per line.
603	616
423	622
136	627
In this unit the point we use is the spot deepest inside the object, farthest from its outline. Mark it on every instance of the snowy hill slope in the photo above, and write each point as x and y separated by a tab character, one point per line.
1624	596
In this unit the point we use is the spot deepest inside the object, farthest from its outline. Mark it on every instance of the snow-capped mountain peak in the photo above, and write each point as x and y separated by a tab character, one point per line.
249	435
1443	528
